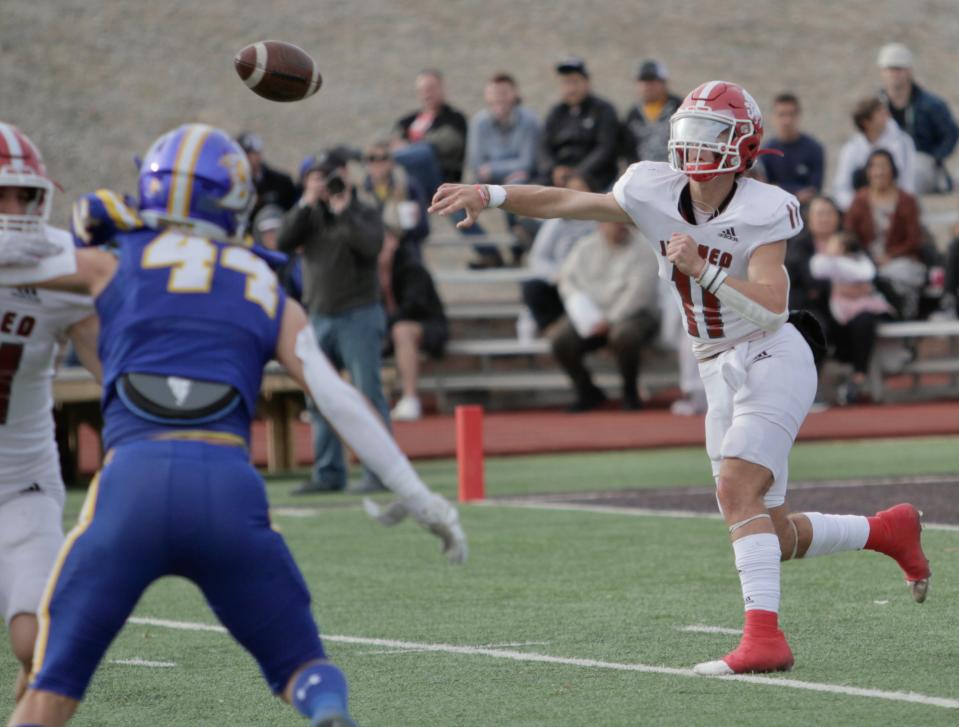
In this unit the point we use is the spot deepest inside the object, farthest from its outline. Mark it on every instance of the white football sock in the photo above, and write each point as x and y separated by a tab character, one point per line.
836	533
757	560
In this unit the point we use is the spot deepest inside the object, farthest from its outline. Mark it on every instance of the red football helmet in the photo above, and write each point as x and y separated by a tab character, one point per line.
22	166
720	118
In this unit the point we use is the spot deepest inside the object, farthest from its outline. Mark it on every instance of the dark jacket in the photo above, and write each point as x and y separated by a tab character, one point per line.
584	137
801	165
904	237
417	300
273	187
339	254
648	139
415	293
927	119
447	136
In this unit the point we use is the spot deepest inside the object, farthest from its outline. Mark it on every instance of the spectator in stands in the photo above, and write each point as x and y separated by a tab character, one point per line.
502	145
885	220
438	124
876	130
417	322
950	295
266	225
553	244
806	291
504	137
855	307
949	302
272	186
922	115
647	122
608	285
581	133
341	238
800	168
399	197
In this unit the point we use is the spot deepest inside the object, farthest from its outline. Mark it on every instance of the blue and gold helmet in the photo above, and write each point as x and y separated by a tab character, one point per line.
198	177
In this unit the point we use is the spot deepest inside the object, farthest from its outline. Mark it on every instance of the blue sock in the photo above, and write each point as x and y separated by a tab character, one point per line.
320	688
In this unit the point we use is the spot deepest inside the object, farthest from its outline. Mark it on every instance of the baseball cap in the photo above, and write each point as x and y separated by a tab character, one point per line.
268	218
652	70
249	141
572	64
326	162
894	55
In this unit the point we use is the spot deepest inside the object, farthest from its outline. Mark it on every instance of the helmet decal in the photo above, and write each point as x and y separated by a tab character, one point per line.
238	167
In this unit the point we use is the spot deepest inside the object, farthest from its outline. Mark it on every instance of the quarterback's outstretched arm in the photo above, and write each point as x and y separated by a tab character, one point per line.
528	200
350	414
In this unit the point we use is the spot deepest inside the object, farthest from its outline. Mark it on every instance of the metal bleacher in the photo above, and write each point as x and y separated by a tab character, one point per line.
485	361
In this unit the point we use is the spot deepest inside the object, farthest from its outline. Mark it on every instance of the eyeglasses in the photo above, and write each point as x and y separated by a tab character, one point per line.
378	158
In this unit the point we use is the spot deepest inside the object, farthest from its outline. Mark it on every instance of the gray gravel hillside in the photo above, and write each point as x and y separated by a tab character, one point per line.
93	81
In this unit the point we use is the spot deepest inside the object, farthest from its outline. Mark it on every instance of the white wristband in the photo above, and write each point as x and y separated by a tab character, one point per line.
497	195
711	278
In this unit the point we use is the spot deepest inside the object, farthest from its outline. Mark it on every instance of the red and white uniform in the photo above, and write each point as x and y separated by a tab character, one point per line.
753	378
33	325
758	214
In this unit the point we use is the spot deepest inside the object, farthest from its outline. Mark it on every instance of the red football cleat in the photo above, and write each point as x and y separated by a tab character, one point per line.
897	532
763	649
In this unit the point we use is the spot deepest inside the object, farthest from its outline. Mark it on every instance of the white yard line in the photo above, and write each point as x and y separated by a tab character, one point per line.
599	509
703	629
137	661
637	511
911	697
294	511
387	652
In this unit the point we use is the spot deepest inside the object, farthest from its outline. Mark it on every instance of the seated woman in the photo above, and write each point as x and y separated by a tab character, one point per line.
823	221
885	220
855	307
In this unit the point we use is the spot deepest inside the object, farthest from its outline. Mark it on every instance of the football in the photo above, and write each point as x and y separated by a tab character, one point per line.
278	71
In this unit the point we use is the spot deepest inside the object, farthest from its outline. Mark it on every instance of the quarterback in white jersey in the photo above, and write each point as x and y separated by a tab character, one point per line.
33	325
721	241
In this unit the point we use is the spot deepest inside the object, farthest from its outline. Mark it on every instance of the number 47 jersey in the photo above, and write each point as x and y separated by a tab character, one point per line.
190	309
757	214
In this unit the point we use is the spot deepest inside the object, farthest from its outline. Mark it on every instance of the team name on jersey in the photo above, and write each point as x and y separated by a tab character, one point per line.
16	324
28	294
711	254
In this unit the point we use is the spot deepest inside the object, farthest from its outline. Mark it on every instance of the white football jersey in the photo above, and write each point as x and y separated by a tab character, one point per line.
758	214
33	324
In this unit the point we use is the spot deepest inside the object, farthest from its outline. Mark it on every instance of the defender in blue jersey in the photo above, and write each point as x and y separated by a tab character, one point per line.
188	321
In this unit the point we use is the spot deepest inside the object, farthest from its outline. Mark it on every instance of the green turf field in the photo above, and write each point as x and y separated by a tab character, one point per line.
559	616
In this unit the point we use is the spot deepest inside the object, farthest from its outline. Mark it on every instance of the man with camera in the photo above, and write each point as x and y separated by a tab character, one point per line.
340	237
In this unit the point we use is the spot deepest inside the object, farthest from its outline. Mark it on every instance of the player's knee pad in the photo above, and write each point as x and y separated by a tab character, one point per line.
743	523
